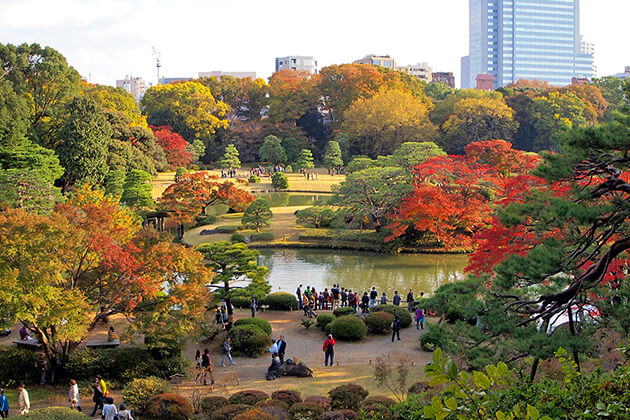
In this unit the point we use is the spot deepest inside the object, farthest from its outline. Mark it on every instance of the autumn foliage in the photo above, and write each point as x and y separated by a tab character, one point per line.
174	146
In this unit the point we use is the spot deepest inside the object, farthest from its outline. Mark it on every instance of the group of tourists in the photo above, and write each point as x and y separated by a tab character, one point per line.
203	362
309	175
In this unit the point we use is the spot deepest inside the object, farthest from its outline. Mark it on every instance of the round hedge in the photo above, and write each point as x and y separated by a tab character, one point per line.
338	415
375	412
212	403
305	410
344	310
169	407
347	396
249	340
248	397
281	301
255	414
379	400
348	328
379	322
138	392
273	403
240	301
230	411
260	323
418	388
323	319
403	313
317	399
55	413
287	396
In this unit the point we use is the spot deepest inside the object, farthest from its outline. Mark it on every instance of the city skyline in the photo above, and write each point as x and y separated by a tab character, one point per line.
108	39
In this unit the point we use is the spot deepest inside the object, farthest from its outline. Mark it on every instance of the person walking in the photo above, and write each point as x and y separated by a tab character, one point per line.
252	306
298	293
227	352
410	300
24	402
282	348
396	328
123	413
419	319
97	395
373	296
4	405
305	303
73	396
206	364
396	298
329	350
42	367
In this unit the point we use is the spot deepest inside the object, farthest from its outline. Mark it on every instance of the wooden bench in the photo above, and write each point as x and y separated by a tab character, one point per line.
29	344
102	344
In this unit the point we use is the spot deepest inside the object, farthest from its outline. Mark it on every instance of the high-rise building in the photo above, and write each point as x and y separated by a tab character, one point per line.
136	86
525	39
623	76
421	71
297	62
444	77
378	60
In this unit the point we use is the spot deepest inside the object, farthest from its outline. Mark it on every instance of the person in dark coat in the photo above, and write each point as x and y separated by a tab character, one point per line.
282	348
396	328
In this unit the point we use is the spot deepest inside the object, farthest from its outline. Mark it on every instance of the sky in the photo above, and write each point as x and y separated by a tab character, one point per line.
108	39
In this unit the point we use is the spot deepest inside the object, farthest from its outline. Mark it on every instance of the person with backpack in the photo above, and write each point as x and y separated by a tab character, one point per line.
396	328
329	350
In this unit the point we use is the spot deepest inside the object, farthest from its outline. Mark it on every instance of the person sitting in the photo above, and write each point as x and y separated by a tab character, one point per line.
24	334
272	371
111	335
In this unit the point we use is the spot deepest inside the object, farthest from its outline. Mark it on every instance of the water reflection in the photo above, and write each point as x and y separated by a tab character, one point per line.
360	271
285	199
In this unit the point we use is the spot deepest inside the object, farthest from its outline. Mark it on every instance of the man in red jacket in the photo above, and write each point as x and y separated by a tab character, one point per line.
329	350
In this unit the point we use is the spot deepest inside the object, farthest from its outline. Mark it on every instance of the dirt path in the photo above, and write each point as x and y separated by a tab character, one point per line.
353	361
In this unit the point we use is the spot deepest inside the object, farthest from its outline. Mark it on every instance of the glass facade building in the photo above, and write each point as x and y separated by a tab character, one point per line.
525	39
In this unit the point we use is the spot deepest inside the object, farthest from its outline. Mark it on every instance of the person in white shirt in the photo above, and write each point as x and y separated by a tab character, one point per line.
73	395
274	347
109	409
24	403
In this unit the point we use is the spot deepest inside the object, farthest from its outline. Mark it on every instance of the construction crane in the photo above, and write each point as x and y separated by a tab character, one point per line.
156	54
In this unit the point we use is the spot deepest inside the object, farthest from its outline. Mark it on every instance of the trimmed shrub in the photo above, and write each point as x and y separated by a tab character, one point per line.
238	237
55	413
317	399
305	410
260	323
179	172
279	181
274	403
379	400
230	411
348	396
344	310
287	396
263	236
324	319
328	328
212	403
379	322
253	179
240	301
282	301
249	397
227	229
338	415
249	340
375	412
348	328
255	414
205	219
402	312
169	407
418	388
139	391
17	365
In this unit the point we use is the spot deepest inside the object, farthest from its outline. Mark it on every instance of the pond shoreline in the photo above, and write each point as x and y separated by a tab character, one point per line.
350	247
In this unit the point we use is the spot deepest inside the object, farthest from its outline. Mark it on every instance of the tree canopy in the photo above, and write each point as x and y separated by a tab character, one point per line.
257	215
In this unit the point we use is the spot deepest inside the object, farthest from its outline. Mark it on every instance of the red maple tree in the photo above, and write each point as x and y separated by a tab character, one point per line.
174	146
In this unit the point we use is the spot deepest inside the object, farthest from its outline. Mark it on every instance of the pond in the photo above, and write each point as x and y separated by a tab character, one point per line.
285	199
360	270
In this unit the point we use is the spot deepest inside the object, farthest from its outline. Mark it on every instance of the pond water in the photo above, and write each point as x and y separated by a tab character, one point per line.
360	270
285	199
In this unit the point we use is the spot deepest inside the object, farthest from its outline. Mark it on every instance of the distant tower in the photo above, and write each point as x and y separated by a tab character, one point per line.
156	54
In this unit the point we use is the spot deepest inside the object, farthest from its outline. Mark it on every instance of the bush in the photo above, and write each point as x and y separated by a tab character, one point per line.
139	391
169	407
279	181
253	179
338	415
348	328
209	330
227	228
288	396
375	412
403	313
179	172
17	365
379	322
379	400
212	403
238	237
282	301
435	337
305	410
260	323
194	167
248	397
255	414
55	413
263	237
249	340
230	411
348	396
205	219
274	403
344	310
328	328
317	399
418	388
324	319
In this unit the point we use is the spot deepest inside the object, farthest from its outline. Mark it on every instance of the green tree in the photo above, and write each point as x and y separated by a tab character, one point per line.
304	160
137	189
316	216
114	181
234	263
611	88
196	149
28	190
272	151
438	91
332	157
292	94
279	181
116	100
230	158
477	119
83	148
554	113
257	215
373	193
292	148
14	114
410	154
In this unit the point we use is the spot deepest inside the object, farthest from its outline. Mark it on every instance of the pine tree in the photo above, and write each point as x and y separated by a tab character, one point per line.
332	157
257	215
230	158
305	160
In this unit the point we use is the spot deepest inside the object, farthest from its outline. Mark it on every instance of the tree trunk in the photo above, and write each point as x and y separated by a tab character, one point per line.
576	356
